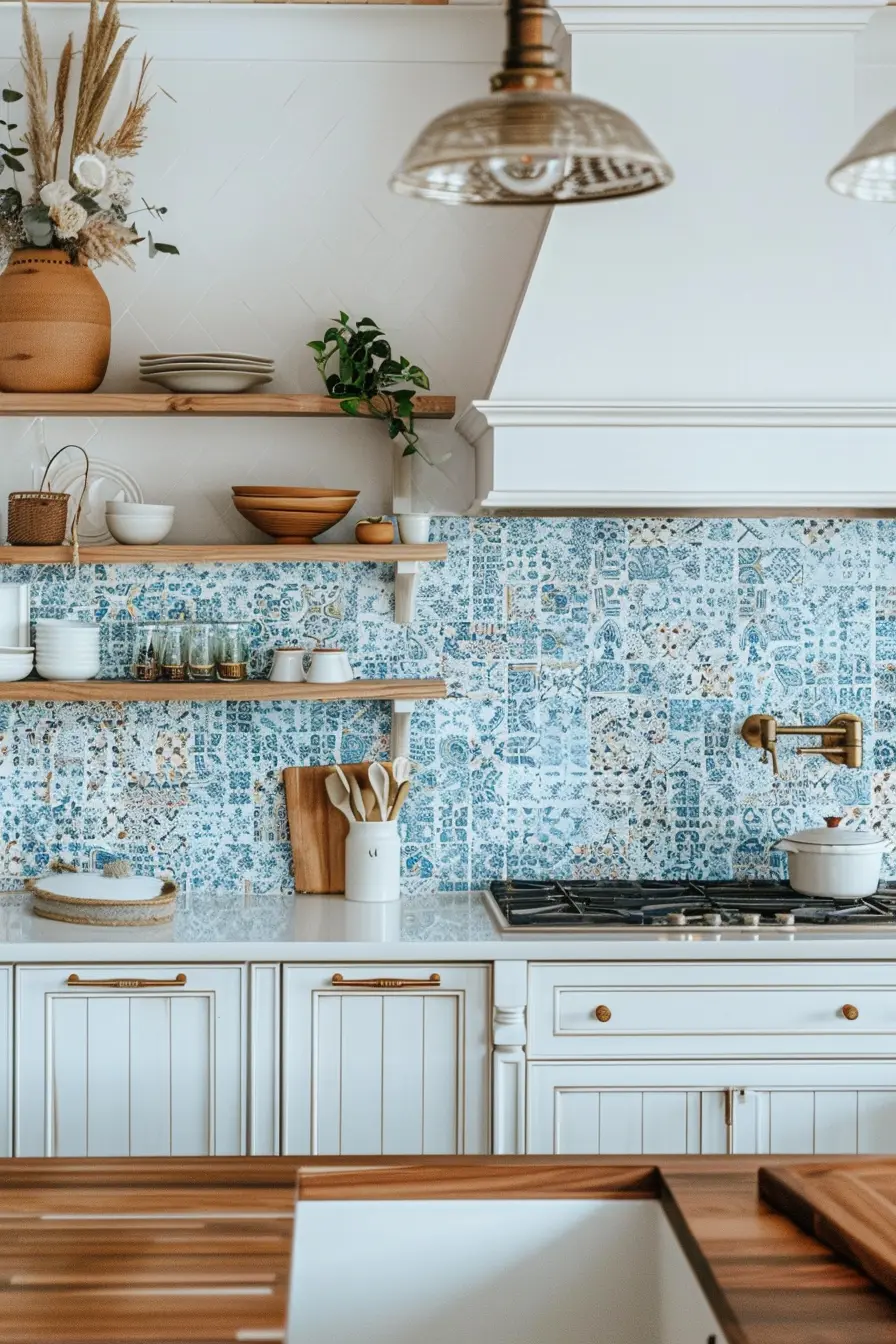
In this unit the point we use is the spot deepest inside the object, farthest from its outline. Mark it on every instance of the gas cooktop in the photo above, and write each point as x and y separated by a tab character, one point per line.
553	905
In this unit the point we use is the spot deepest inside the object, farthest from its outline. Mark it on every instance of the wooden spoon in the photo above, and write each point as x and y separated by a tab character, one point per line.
337	792
379	782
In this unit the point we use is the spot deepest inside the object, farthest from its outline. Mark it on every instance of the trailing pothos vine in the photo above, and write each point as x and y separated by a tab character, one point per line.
370	378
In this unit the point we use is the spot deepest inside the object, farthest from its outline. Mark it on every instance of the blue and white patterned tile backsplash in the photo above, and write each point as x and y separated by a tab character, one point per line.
598	672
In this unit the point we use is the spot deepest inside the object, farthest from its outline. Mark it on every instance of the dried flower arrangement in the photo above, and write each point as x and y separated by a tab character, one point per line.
86	211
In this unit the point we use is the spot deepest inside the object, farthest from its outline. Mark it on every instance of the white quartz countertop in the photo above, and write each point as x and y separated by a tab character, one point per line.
449	927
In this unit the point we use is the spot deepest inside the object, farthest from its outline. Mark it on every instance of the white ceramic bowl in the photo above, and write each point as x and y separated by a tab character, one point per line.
138	510
131	531
67	671
15	664
52	623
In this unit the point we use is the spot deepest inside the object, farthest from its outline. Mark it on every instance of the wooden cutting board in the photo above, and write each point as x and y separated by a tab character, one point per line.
851	1208
316	830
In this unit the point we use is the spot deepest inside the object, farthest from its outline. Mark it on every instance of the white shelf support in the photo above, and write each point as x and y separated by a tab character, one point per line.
401	727
407	573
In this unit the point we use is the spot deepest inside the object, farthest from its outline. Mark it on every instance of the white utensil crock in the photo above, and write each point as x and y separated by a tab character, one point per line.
825	861
372	861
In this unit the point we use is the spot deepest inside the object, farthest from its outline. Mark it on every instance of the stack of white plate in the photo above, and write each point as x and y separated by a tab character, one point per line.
16	651
207	371
67	650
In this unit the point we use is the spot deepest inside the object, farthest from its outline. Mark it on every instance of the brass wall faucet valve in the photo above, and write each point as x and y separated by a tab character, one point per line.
841	739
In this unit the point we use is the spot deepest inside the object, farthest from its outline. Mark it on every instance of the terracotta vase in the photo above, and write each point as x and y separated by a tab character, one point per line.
55	324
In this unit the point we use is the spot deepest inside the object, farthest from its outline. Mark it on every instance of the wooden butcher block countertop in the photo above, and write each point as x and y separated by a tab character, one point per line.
172	1251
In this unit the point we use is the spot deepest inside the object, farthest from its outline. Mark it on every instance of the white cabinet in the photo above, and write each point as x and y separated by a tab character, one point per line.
397	1062
130	1061
834	1106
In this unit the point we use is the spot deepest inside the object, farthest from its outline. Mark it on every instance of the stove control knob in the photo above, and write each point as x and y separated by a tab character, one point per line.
602	1013
751	919
850	1012
785	917
676	918
713	919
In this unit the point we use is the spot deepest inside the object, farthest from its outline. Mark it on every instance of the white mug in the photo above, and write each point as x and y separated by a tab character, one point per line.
288	664
413	528
327	665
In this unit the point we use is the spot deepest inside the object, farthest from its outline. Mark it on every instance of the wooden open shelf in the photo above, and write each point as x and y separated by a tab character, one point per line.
194	403
76	692
265	553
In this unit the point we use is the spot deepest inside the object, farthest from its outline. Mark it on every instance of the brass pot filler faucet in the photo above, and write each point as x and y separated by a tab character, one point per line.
841	739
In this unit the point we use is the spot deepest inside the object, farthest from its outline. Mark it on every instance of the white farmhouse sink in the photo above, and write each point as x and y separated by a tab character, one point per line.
492	1271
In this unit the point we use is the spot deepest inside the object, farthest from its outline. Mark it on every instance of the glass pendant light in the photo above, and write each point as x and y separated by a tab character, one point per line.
532	142
868	173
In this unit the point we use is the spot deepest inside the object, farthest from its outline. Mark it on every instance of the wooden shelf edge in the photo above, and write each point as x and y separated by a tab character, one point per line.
265	553
195	403
78	692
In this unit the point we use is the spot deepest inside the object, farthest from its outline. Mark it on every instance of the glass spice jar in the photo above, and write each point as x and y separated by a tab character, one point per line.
145	656
173	657
232	651
201	652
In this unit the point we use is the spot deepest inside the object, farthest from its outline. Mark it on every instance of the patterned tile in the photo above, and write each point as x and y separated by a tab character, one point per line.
599	672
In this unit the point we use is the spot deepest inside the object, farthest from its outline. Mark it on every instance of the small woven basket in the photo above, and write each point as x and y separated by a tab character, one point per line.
39	517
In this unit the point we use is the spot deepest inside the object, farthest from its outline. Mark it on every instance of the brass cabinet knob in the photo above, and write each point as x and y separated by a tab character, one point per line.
850	1012
602	1013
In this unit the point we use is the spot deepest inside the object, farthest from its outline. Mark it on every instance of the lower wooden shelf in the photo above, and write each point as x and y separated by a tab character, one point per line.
238	553
427	688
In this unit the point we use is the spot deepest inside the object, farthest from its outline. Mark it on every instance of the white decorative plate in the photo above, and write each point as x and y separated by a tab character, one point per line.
202	365
106	481
207	381
207	354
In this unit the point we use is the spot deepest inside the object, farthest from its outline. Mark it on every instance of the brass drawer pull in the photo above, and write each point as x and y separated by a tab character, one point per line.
342	983
850	1012
602	1013
77	983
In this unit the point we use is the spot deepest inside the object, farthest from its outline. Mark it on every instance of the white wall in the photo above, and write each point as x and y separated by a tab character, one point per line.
273	162
747	279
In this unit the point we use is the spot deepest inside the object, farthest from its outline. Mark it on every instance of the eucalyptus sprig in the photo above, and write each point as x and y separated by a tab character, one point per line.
370	377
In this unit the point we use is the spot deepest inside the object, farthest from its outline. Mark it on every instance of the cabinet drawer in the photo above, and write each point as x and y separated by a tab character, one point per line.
616	1011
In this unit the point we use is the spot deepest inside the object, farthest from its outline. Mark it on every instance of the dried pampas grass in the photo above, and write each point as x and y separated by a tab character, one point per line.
100	69
102	239
39	137
62	78
129	137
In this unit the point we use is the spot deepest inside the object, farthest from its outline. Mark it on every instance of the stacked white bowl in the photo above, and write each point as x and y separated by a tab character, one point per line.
139	524
16	662
67	650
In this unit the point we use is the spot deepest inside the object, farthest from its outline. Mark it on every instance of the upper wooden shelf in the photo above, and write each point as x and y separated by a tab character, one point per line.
193	403
430	688
199	555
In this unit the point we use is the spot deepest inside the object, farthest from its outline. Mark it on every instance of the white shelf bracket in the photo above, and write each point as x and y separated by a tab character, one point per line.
407	573
401	727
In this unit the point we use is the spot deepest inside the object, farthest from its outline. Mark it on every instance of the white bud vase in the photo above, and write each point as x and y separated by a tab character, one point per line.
413	528
372	861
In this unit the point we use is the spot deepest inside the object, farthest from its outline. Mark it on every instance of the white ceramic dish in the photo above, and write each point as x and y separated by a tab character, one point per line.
186	365
106	481
127	509
163	357
15	665
221	382
826	861
134	531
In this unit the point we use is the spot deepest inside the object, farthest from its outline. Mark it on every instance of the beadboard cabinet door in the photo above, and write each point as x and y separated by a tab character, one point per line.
692	1107
120	1066
385	1068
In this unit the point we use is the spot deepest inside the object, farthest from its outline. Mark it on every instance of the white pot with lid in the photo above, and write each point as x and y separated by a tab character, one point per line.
826	861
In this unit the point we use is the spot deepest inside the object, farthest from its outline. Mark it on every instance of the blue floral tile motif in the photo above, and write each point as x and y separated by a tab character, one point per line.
598	671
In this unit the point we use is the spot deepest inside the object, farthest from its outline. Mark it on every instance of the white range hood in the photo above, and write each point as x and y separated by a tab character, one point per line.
728	343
